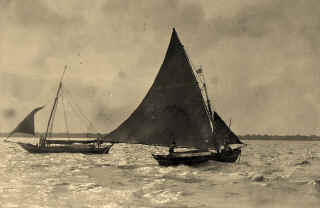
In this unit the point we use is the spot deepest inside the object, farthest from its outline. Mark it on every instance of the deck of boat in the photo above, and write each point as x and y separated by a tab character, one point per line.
84	149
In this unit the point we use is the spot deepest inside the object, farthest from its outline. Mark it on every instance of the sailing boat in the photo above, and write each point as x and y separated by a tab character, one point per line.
56	146
174	111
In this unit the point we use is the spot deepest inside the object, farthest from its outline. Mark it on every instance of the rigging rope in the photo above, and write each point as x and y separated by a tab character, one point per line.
78	110
65	115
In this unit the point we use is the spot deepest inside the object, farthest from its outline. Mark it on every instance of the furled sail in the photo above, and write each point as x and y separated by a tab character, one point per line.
222	134
27	125
172	110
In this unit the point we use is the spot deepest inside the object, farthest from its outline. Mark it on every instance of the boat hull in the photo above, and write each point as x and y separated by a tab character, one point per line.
169	160
229	156
84	149
196	157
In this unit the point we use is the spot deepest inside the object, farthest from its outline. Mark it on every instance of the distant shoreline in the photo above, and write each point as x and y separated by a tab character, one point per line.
243	137
280	138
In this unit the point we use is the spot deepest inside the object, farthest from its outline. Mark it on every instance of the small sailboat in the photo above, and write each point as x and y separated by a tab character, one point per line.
47	145
177	112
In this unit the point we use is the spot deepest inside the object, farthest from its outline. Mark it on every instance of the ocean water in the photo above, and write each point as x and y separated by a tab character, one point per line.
269	174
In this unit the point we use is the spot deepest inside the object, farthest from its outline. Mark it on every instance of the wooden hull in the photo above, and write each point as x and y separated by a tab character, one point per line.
84	149
172	160
196	157
229	157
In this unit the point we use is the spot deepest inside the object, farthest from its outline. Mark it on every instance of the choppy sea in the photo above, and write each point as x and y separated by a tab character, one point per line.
269	174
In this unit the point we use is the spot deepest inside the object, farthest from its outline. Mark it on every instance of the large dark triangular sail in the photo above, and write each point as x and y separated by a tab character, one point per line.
27	125
173	109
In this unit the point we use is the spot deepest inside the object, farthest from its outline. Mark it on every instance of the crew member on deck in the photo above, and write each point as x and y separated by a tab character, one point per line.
218	148
171	148
99	140
42	141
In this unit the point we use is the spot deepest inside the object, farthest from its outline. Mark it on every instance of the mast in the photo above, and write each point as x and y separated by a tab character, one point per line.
200	72
54	103
222	133
202	79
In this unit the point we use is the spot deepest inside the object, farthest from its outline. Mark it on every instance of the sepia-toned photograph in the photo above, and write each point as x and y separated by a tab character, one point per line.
159	104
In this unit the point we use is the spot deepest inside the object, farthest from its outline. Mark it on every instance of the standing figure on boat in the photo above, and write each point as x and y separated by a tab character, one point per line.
217	147
171	148
99	140
42	142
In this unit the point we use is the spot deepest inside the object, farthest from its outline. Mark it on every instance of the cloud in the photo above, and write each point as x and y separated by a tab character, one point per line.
36	14
22	87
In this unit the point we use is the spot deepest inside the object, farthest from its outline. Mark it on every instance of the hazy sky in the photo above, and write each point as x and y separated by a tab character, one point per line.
260	59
